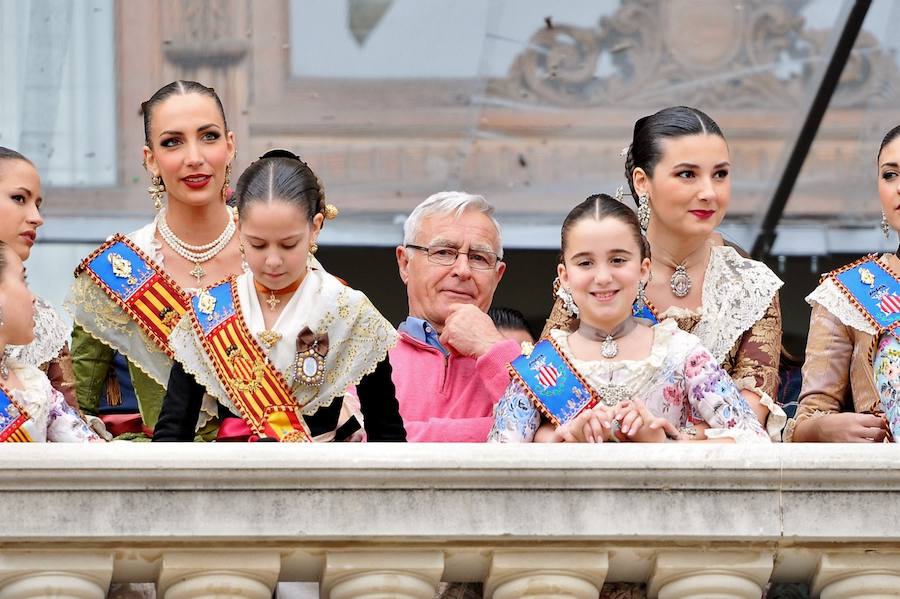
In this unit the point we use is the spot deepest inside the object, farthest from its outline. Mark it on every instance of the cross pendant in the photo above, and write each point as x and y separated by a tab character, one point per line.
272	301
198	272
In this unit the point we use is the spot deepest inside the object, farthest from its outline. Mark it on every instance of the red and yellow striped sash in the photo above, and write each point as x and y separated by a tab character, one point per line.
253	384
137	285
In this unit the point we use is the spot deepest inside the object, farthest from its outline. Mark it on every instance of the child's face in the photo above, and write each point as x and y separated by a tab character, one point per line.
16	302
602	267
276	237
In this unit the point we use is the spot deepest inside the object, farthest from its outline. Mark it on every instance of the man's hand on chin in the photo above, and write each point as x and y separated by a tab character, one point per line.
469	331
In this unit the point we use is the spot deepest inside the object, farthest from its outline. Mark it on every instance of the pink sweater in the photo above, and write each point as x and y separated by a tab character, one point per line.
452	398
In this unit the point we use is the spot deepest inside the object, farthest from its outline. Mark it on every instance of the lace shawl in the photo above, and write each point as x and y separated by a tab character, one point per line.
737	292
358	338
50	336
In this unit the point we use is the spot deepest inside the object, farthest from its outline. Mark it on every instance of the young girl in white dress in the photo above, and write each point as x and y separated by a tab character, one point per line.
616	378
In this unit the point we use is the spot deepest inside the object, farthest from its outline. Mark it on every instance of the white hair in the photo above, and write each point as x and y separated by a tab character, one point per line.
449	202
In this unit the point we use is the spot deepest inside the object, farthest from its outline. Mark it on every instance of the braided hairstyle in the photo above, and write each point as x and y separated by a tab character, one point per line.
282	175
645	150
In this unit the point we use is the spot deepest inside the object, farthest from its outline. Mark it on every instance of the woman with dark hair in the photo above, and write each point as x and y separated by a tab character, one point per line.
20	218
279	345
678	170
616	378
130	292
851	377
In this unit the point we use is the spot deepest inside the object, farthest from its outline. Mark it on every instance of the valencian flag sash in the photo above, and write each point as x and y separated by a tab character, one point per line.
645	311
556	389
137	285
253	384
12	417
874	290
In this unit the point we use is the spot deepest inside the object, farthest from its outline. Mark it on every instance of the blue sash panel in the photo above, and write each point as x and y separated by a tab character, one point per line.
876	292
124	287
557	391
644	312
11	419
211	314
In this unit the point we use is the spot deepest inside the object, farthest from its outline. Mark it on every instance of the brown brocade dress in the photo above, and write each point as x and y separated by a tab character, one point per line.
739	322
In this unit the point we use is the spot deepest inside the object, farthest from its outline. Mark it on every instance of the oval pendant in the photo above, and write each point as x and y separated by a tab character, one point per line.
610	348
310	367
680	282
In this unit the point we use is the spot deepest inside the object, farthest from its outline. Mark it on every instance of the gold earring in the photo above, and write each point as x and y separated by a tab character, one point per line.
156	190
227	185
313	248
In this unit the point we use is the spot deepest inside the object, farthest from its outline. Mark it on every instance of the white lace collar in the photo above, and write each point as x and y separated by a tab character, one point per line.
358	337
50	336
631	373
830	297
737	291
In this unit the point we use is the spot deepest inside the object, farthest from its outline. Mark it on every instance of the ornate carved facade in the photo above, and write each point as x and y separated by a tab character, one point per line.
534	141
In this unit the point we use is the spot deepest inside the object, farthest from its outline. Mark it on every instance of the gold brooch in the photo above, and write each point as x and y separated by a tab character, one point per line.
121	268
269	338
866	276
206	304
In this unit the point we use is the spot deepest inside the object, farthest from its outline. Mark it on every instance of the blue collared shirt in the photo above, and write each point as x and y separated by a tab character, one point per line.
421	331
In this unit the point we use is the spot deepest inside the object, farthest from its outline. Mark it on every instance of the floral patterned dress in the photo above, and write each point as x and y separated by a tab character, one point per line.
679	381
738	321
50	417
887	379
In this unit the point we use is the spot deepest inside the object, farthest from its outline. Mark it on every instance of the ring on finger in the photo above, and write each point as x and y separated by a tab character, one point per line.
614	428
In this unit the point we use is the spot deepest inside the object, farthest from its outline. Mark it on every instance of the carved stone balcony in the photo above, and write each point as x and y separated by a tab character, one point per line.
378	521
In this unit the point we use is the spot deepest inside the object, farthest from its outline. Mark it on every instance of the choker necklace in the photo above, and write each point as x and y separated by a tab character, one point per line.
610	348
680	282
274	293
198	254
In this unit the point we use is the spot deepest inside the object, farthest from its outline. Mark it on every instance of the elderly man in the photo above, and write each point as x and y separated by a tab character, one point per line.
450	365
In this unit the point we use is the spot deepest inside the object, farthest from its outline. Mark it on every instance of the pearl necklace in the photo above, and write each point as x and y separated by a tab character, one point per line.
197	254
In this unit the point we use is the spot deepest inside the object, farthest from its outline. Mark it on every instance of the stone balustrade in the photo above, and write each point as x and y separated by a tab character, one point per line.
378	521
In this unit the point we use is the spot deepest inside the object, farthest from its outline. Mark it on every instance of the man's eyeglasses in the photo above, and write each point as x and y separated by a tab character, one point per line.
446	256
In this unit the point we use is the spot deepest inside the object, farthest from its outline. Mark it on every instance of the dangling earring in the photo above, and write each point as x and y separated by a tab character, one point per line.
643	211
313	248
4	368
568	301
227	185
640	301
156	190
885	226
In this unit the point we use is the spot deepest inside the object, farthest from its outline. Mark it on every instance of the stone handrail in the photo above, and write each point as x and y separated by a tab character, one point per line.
231	520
